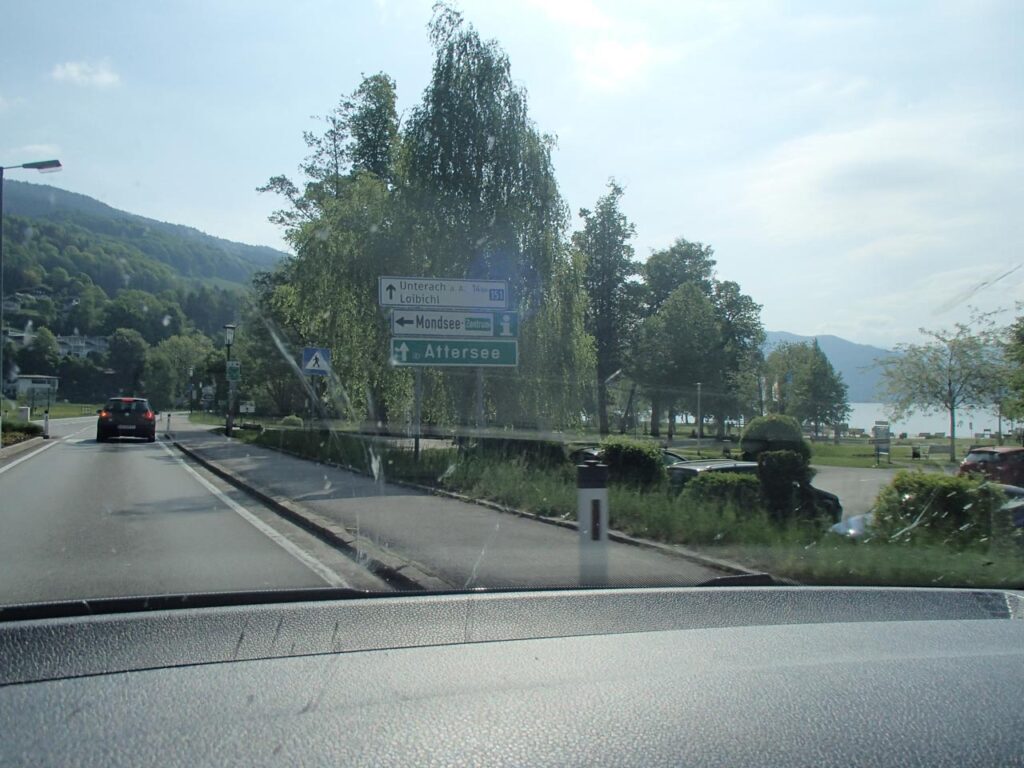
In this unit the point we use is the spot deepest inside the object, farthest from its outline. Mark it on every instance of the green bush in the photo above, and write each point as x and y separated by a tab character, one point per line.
633	462
773	433
720	488
25	427
936	508
781	474
291	421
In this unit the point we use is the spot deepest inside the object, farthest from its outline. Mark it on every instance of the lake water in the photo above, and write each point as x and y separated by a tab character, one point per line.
864	415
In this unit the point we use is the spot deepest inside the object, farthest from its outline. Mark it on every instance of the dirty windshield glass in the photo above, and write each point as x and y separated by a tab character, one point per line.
464	295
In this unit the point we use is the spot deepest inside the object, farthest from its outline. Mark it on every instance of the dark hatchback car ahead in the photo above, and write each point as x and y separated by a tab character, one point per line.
126	417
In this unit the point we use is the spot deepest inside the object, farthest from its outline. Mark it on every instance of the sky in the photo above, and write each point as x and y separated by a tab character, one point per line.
856	167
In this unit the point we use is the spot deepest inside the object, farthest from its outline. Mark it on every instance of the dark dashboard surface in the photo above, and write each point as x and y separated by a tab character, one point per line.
740	676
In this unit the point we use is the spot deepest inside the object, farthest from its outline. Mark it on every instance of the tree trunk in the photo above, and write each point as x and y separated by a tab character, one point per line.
952	433
655	416
602	405
627	413
671	422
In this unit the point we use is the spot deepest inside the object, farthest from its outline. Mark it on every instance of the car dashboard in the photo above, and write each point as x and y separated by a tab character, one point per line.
699	676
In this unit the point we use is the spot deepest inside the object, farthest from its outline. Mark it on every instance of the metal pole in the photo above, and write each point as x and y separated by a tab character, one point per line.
700	421
480	398
229	422
417	411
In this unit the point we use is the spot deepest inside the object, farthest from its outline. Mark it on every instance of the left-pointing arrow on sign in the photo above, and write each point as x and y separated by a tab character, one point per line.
404	321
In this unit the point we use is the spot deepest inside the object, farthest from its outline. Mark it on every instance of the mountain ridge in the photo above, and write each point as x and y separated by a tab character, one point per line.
198	254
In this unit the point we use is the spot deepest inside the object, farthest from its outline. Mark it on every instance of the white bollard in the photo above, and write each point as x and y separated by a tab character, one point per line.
592	522
46	425
168	430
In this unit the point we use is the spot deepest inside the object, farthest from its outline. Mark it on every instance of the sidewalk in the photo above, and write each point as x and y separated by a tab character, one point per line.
453	544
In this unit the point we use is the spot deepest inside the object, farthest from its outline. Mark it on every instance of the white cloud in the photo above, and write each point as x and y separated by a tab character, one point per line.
579	14
97	74
612	65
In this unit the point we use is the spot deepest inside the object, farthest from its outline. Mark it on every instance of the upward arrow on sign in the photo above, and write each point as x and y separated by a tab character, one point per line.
391	291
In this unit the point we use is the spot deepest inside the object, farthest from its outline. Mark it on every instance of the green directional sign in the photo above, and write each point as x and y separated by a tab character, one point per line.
234	370
472	353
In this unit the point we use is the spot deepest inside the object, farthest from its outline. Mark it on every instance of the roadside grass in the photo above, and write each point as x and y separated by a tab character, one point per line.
57	410
15	431
834	561
800	550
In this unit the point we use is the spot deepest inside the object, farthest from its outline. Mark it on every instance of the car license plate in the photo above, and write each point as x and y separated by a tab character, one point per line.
126	427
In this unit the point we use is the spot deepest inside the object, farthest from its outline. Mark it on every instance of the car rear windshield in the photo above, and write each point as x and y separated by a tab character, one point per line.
983	457
127	406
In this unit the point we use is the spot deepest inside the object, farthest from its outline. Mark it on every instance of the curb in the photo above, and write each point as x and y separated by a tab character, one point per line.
18	448
400	573
727	566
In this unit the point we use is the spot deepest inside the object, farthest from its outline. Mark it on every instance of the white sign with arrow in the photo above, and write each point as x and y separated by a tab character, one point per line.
430	293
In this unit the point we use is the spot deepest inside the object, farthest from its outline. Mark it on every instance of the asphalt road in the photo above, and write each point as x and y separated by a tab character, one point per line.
85	520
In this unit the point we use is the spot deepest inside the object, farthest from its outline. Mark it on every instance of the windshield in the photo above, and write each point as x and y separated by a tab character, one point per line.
408	296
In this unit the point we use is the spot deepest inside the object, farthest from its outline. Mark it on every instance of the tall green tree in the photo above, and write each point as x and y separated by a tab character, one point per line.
41	356
604	242
168	364
957	369
814	391
127	357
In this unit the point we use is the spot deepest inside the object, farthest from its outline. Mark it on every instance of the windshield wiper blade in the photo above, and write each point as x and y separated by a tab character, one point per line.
742	580
136	604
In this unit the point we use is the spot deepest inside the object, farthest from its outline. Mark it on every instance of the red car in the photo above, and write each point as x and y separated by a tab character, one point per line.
999	463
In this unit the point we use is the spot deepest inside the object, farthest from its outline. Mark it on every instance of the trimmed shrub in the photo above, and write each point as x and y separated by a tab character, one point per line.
936	508
781	473
773	433
291	421
721	488
633	462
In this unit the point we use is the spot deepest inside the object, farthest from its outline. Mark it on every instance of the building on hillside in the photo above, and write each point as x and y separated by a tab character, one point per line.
82	346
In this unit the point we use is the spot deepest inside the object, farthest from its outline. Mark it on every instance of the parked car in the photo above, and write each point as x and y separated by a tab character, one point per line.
999	463
126	417
580	455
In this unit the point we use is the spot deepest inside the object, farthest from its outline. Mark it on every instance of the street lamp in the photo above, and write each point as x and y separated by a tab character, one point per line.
700	420
229	339
43	166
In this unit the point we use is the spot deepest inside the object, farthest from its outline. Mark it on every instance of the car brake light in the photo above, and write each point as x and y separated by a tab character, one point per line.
104	414
127	400
148	416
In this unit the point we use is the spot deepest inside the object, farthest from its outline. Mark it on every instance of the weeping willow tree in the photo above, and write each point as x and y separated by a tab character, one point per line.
466	189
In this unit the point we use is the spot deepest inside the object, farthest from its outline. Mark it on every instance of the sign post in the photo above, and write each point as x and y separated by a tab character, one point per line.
881	437
447	323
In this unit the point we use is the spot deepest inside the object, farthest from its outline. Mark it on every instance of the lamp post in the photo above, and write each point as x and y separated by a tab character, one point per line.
42	166
700	420
229	339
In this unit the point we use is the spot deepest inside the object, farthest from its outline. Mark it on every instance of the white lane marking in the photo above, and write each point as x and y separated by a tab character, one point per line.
305	558
27	456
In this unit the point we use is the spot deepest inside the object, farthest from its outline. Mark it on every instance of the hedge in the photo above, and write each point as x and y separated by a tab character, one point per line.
959	512
633	463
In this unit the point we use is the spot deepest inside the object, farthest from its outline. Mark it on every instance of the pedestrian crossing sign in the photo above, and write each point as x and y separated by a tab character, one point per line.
316	361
